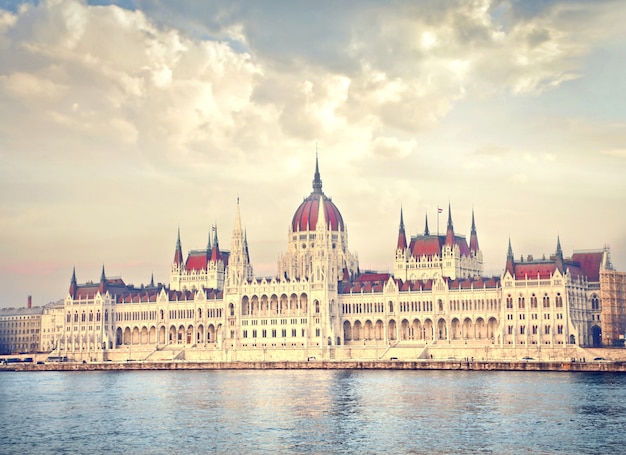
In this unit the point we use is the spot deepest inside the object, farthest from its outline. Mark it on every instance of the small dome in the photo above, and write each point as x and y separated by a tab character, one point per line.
305	218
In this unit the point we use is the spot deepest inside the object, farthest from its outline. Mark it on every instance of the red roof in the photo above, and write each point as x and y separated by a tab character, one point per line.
197	260
430	245
373	277
534	270
590	264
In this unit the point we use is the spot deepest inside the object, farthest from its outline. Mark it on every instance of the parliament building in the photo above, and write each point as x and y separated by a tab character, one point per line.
321	305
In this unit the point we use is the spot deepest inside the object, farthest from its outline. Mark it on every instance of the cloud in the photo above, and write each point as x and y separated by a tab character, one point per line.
392	147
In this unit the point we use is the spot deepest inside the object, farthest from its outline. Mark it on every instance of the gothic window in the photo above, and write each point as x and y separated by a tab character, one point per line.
521	302
533	301
509	301
546	301
595	302
559	300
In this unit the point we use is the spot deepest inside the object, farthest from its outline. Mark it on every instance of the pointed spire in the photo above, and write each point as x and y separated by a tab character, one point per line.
103	284
245	245
152	280
237	227
401	234
559	254
426	230
73	285
450	240
473	237
317	181
510	261
208	245
216	255
178	254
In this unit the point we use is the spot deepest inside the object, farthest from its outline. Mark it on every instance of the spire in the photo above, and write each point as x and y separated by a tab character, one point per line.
510	261
73	285
473	237
450	231
559	254
216	255
426	231
245	244
237	227
401	234
152	280
208	245
103	283
317	181
178	254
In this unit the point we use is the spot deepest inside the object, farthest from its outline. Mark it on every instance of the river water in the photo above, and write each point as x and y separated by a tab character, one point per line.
312	412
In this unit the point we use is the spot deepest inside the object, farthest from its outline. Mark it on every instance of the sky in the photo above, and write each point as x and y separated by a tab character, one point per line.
121	122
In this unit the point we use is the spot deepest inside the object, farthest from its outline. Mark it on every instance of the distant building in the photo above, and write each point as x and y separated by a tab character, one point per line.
322	304
20	329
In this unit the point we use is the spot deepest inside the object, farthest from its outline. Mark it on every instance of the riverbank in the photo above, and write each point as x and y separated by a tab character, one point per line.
464	365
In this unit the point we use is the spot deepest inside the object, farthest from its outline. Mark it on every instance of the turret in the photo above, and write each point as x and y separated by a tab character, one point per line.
426	230
102	288
216	255
473	238
450	230
178	254
401	234
558	257
510	261
73	284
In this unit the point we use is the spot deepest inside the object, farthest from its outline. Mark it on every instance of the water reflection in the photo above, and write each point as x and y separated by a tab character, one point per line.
312	412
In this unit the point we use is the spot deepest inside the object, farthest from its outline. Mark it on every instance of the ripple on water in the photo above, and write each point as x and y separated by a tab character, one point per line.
312	412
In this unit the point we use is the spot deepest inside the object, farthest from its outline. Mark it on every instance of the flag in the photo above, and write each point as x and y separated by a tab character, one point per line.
439	210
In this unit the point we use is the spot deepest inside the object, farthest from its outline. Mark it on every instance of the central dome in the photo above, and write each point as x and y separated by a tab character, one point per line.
305	218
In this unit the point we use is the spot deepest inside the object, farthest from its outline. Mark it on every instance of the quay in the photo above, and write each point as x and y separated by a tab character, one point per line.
456	364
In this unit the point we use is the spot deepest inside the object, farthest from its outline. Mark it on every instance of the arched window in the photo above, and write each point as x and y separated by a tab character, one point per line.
533	301
595	302
90	316
162	314
106	315
98	316
546	301
317	306
76	316
440	304
82	317
390	306
69	317
199	313
509	301
521	303
559	300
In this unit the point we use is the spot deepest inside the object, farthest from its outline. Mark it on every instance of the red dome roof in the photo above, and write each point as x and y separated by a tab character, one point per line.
305	218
